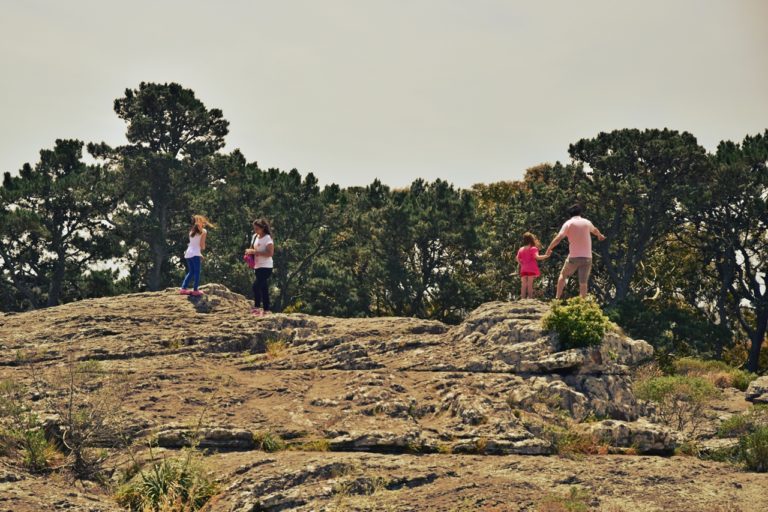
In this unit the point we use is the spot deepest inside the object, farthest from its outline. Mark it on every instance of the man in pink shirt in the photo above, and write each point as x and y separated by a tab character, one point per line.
579	232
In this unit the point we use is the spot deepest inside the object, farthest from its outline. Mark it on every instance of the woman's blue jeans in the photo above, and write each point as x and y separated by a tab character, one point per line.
193	271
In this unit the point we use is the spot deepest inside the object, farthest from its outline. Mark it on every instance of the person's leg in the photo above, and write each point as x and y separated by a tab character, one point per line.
256	289
584	270
196	264
530	286
523	287
188	275
266	272
568	269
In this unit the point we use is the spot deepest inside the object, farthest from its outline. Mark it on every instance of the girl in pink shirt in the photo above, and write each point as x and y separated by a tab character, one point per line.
527	257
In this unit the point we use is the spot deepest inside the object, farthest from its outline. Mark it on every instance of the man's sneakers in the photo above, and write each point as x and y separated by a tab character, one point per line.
194	293
184	291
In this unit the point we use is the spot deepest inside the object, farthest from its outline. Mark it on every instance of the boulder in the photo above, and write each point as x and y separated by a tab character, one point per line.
646	438
757	391
216	438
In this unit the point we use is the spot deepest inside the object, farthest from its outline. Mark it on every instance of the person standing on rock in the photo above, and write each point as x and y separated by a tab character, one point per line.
194	254
527	257
262	247
579	232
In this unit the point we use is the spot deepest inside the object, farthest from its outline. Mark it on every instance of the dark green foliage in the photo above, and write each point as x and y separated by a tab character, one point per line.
578	323
638	178
171	134
54	223
753	449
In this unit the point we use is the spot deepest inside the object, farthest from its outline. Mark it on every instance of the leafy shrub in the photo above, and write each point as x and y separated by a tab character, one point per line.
22	430
744	423
571	444
721	374
578	323
268	442
680	399
753	450
168	486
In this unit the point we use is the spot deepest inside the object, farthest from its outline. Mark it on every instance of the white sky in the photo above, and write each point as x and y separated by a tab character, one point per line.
352	90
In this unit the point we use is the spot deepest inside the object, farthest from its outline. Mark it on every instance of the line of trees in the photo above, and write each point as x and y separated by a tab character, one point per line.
684	265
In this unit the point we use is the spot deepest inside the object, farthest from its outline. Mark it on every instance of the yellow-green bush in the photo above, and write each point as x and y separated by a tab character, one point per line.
721	374
680	399
578	323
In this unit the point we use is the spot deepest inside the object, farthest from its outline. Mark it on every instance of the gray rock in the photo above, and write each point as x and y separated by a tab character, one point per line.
217	438
646	438
757	391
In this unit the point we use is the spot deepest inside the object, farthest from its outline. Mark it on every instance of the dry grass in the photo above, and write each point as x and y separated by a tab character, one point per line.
275	349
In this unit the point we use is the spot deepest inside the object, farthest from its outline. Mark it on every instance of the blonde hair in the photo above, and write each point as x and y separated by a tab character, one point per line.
530	239
199	223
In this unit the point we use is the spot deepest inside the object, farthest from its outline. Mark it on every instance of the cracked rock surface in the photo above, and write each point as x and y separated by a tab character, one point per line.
415	414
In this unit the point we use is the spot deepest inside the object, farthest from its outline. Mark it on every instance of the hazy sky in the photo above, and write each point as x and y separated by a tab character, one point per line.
469	91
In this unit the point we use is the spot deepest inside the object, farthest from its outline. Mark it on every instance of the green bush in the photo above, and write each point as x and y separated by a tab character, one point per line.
744	423
753	450
742	379
169	486
22	432
718	372
268	442
578	323
680	399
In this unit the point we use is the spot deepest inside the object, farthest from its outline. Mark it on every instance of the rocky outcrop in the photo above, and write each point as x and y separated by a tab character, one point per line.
644	437
495	385
757	391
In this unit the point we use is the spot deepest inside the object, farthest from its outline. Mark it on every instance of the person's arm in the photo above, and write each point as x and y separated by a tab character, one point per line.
268	251
203	235
597	233
250	249
557	240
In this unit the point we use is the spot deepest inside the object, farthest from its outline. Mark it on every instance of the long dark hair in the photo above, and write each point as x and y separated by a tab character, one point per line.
530	239
263	224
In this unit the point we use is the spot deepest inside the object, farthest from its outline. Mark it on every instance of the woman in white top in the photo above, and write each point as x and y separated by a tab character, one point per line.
262	247
194	253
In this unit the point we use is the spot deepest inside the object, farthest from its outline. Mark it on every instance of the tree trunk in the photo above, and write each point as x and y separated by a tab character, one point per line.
757	338
54	289
159	248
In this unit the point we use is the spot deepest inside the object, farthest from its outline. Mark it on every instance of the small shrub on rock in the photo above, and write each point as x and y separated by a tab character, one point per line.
21	431
172	485
578	323
753	450
680	400
744	423
268	442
